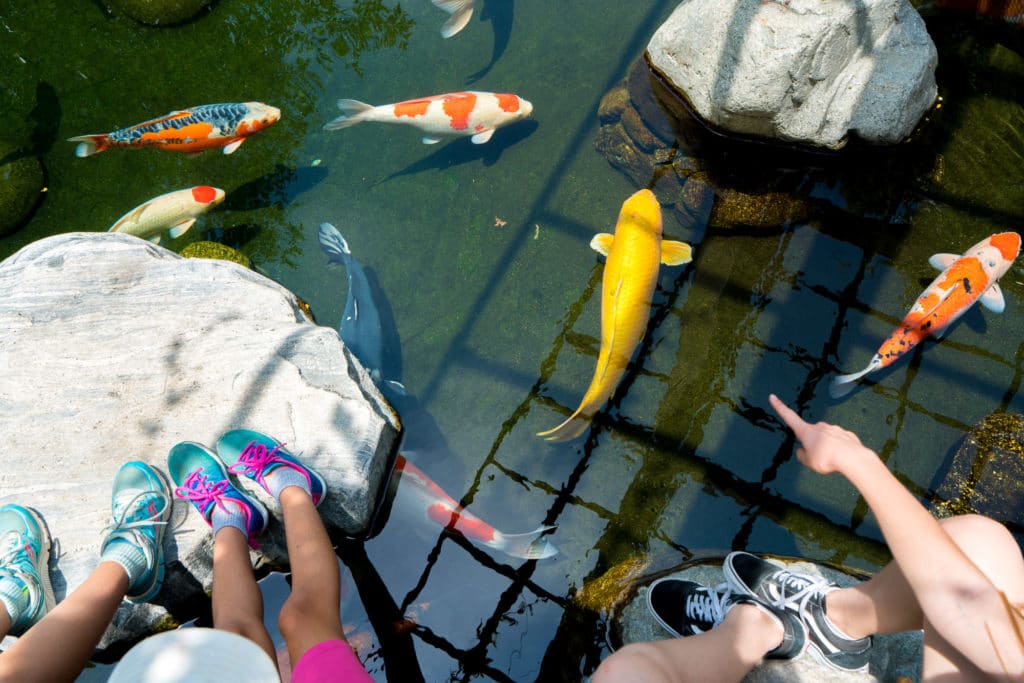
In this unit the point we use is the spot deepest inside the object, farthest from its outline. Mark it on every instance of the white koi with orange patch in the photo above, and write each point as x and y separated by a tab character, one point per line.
477	114
964	281
419	497
175	212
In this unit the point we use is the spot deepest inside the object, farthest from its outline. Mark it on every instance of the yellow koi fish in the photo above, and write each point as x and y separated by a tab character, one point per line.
634	253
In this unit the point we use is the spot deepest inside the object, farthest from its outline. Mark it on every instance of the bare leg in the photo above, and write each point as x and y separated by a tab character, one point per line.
723	654
886	604
59	646
237	601
310	615
5	622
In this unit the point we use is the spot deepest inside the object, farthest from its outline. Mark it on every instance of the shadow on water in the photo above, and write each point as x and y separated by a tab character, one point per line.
501	14
463	151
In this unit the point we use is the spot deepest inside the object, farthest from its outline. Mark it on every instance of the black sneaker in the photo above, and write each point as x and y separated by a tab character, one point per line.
802	595
686	608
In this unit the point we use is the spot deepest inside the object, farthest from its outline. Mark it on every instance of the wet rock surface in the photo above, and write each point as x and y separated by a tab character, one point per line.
114	349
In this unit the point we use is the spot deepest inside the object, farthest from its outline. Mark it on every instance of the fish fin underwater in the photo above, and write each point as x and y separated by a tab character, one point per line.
181	228
602	243
333	243
460	10
675	253
482	137
90	144
233	146
533	545
993	299
430	141
844	384
352	112
942	261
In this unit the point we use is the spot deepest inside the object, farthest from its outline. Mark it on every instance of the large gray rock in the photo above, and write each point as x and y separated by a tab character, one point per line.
113	349
803	71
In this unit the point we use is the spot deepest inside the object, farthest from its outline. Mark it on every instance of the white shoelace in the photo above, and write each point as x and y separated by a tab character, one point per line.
710	607
803	588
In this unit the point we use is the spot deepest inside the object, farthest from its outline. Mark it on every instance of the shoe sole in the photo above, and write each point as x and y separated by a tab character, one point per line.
43	560
158	583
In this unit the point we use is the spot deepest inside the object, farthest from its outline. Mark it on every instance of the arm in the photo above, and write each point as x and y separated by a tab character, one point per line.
955	596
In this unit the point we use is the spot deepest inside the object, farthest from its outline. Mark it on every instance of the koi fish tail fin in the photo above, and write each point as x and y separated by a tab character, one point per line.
333	243
90	144
529	546
575	425
844	384
352	112
461	11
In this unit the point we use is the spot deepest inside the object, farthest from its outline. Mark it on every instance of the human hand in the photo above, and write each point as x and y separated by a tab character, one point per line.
825	448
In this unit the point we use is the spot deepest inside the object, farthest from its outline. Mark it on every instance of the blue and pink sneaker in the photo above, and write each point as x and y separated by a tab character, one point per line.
255	455
24	578
202	479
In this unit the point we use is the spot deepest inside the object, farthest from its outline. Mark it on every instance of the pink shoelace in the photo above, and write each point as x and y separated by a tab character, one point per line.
255	461
198	489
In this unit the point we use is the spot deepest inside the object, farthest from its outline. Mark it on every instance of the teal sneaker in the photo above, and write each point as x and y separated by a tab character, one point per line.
24	578
203	481
140	506
255	455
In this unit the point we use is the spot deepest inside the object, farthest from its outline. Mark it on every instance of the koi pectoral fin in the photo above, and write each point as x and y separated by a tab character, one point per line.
602	243
675	253
993	299
942	261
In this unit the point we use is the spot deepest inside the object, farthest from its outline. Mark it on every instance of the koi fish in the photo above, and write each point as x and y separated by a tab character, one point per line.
360	327
194	130
460	11
964	281
175	212
1007	10
630	276
450	115
424	497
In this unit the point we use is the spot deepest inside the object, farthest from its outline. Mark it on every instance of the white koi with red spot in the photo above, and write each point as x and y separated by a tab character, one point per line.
476	114
964	281
418	497
175	212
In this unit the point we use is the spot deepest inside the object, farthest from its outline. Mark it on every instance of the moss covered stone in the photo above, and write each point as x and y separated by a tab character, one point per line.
21	189
215	250
159	12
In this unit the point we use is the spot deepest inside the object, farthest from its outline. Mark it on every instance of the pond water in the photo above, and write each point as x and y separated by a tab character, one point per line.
494	294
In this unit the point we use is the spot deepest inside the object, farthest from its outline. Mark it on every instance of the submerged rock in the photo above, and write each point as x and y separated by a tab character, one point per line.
21	188
159	12
804	71
115	349
215	250
986	475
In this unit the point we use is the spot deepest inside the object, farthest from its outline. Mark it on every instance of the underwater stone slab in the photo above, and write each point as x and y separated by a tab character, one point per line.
803	71
114	349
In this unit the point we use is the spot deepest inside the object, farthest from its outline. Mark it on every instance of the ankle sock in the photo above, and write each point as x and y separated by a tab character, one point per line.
128	555
283	477
233	516
14	597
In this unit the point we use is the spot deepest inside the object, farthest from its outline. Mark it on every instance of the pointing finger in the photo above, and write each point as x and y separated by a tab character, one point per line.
788	415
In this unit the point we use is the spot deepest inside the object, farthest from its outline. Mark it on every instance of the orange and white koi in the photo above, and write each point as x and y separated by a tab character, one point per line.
175	211
208	126
418	496
964	281
450	115
460	11
630	275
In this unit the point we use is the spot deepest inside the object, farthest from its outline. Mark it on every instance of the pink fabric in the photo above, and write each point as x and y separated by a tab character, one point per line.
328	662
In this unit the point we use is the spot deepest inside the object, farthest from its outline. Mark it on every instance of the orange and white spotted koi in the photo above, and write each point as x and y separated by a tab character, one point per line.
419	498
964	281
477	114
208	126
175	212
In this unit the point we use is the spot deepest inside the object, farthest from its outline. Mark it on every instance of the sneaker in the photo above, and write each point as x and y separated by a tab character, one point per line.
202	480
256	455
686	608
24	555
140	507
802	595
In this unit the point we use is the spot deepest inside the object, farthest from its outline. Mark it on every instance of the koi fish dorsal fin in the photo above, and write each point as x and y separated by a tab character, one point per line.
993	300
602	243
942	261
675	253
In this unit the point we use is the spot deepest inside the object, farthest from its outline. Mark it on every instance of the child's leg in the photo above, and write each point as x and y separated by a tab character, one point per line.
237	601
310	615
73	629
